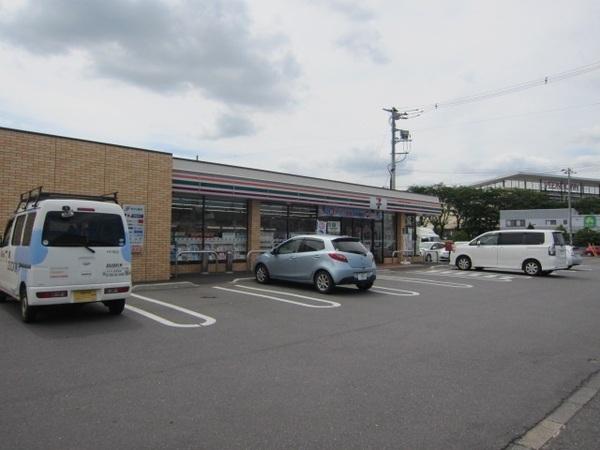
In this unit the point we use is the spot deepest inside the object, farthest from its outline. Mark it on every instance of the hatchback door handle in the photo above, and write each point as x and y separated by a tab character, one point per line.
316	256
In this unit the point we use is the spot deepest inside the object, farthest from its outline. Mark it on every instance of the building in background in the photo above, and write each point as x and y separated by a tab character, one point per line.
547	219
176	204
554	185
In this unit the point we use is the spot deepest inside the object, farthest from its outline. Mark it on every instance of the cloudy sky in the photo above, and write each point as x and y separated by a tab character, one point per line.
299	85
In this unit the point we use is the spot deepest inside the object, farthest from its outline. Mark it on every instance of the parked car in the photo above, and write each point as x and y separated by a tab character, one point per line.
323	260
592	250
573	256
536	252
64	248
440	249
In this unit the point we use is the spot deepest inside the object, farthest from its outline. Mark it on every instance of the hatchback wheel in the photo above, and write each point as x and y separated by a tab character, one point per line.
365	285
262	274
463	263
323	282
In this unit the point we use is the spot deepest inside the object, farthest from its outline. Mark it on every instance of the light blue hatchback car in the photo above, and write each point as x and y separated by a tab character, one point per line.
323	260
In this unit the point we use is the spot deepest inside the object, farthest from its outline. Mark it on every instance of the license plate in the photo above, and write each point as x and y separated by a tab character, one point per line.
362	276
84	296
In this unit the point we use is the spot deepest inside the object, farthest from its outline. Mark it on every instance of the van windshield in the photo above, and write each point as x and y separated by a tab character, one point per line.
83	229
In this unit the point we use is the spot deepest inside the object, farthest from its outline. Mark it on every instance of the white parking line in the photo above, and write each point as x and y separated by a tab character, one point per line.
207	319
328	304
426	281
486	277
397	292
162	320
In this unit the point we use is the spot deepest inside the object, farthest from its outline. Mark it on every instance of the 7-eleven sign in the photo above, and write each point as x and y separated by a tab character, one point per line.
378	203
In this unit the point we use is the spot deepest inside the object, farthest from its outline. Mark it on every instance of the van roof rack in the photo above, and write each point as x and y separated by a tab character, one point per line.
35	195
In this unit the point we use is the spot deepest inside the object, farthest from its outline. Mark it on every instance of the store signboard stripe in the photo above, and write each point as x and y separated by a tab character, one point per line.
284	186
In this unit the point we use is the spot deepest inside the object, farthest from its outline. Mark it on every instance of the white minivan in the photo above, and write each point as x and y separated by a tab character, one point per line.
536	252
65	248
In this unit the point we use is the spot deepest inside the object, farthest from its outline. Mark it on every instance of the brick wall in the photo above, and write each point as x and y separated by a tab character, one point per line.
28	160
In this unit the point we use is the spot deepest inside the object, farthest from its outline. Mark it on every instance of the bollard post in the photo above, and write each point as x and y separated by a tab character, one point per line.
229	262
204	263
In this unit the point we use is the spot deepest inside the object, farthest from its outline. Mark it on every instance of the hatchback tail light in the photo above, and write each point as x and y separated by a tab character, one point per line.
552	250
116	290
51	294
338	257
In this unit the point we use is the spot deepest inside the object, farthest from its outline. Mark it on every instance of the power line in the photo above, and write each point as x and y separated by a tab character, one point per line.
561	76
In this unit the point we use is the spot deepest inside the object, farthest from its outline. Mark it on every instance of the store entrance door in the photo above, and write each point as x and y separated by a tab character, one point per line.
363	229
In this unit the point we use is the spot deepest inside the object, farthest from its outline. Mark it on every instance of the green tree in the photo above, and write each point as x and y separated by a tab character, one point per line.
587	205
586	236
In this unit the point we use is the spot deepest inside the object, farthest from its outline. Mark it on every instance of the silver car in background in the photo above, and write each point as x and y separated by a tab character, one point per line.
323	260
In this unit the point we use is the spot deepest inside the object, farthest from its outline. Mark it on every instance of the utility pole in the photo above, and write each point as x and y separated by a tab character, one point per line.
404	137
569	171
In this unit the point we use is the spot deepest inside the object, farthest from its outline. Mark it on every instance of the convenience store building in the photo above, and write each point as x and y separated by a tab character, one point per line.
179	204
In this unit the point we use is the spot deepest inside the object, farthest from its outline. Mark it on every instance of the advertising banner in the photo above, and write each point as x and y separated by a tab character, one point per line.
135	216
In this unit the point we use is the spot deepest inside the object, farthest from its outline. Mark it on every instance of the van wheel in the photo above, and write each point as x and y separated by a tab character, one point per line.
532	268
115	307
262	274
428	258
463	263
324	282
28	313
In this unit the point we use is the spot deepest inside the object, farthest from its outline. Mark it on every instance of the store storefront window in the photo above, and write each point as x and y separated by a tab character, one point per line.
273	225
389	234
208	223
225	227
409	233
302	220
186	227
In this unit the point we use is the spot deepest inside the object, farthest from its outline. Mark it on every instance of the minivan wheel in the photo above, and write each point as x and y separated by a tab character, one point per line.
262	274
324	282
115	307
532	267
28	313
463	263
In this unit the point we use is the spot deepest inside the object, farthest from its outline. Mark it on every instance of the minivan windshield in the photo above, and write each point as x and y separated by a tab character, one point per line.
349	245
83	229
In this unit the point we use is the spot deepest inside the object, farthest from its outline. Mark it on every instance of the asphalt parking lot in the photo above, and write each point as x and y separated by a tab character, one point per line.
429	358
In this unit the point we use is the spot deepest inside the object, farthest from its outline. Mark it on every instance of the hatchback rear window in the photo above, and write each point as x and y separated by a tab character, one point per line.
349	246
83	229
559	238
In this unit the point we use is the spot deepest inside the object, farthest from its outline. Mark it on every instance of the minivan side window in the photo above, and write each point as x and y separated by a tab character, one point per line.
534	238
559	238
16	238
510	239
28	229
490	239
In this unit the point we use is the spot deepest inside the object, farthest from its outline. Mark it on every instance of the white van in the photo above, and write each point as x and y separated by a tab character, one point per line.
536	252
64	248
426	237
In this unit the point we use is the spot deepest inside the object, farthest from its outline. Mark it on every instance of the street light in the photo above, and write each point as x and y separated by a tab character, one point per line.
569	171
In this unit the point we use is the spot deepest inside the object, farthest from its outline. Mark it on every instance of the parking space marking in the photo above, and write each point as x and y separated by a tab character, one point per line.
207	319
328	303
426	281
487	277
396	292
162	320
